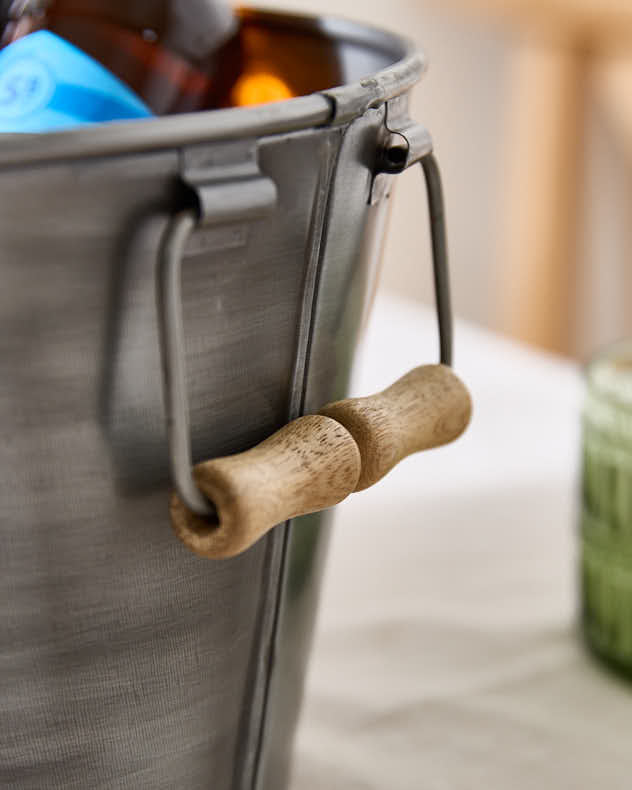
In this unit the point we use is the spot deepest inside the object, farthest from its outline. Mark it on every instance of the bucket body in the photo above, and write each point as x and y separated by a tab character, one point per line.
126	661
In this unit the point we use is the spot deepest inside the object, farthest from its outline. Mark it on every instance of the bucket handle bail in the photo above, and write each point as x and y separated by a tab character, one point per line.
221	507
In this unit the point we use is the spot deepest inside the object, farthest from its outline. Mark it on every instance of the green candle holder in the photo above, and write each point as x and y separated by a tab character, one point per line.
606	518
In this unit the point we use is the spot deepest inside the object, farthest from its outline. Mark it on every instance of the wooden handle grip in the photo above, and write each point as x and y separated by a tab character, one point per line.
427	407
318	460
310	464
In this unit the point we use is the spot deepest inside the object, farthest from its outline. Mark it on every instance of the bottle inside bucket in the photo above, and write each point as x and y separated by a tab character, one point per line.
68	62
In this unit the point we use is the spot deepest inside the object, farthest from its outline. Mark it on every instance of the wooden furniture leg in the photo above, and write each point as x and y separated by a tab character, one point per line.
539	206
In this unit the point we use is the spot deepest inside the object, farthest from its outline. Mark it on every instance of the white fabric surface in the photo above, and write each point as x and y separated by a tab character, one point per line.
446	654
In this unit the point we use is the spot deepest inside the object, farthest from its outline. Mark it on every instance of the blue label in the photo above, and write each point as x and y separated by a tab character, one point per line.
47	83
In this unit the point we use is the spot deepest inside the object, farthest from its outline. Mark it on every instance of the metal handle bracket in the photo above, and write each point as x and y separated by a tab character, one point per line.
228	183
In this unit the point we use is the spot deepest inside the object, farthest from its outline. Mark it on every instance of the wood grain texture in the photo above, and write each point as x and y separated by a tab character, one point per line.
427	407
310	464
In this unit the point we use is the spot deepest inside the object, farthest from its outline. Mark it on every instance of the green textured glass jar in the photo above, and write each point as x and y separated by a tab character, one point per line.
606	520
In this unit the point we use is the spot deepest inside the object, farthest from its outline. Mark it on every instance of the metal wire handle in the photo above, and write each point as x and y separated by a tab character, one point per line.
440	269
171	330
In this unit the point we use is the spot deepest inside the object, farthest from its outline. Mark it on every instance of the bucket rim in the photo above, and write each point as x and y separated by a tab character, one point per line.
325	108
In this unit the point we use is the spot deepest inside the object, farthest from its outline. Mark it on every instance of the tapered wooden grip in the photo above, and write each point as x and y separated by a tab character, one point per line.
427	407
310	464
318	460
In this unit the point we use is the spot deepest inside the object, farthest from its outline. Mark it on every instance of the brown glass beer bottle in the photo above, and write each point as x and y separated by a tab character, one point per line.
174	55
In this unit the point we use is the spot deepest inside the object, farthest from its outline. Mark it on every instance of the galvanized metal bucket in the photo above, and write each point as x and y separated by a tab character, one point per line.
125	661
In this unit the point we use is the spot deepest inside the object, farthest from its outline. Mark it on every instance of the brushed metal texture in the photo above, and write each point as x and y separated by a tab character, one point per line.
126	661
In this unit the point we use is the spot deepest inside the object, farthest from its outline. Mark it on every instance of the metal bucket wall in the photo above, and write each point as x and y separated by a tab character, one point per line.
125	660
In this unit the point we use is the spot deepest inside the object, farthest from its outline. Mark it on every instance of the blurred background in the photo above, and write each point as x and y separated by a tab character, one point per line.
533	130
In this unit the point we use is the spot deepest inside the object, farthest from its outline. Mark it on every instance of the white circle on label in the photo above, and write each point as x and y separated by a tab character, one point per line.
25	86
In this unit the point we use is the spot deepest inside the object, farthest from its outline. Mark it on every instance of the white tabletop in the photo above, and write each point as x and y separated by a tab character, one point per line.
446	654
